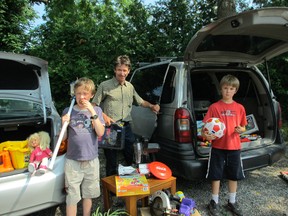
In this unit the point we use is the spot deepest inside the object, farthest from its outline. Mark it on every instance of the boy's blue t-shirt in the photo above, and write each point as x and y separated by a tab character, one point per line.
82	138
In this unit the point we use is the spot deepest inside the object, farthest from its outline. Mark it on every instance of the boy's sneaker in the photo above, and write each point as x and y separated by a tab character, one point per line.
213	208
234	208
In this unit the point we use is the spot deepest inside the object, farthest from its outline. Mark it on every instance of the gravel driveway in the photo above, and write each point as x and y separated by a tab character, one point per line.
261	193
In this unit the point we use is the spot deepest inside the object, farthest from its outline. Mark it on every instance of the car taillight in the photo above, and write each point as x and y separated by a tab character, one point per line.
182	126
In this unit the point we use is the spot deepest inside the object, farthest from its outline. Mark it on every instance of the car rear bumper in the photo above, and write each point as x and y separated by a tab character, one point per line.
262	157
195	169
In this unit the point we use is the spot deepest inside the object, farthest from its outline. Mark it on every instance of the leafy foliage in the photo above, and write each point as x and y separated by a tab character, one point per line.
109	212
14	23
82	37
279	79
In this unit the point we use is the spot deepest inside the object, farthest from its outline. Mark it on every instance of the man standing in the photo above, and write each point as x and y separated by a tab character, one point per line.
116	97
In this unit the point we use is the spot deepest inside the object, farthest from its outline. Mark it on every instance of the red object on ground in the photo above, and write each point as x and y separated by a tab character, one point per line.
284	175
160	170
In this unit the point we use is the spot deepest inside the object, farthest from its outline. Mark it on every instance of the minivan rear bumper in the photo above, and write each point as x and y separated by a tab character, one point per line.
195	169
257	158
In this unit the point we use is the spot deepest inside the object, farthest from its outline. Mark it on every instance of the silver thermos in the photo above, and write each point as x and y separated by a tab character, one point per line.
137	151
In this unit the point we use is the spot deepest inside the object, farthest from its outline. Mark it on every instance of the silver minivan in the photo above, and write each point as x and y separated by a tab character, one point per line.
26	107
185	87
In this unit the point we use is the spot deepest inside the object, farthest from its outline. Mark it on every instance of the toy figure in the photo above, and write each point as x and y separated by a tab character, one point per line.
180	195
39	144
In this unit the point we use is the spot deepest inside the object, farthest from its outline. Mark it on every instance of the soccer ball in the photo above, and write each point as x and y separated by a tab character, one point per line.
215	126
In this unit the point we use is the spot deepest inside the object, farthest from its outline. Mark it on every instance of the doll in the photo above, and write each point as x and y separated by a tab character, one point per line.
39	144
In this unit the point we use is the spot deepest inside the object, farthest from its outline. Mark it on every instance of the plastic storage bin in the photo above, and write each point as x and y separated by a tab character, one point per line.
19	153
14	144
5	162
19	157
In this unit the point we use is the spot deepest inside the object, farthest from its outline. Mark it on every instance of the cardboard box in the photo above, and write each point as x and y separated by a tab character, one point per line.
130	185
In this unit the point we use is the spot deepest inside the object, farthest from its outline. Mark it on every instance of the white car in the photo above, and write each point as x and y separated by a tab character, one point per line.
26	107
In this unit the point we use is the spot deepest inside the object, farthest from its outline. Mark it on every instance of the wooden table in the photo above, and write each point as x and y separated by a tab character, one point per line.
108	185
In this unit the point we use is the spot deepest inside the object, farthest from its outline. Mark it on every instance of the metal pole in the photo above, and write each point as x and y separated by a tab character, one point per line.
61	135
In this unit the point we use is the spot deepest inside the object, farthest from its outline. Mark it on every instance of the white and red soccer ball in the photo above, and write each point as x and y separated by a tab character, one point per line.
215	126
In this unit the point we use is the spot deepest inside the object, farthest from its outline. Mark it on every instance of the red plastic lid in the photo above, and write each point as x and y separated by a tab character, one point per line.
160	170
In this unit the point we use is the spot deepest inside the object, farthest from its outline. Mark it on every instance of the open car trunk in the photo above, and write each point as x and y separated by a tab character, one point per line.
26	107
251	94
20	132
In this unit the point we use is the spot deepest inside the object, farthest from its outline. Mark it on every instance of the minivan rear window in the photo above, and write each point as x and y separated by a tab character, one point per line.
12	108
16	76
251	45
148	82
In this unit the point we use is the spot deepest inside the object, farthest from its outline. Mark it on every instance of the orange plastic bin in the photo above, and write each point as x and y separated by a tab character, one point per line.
5	162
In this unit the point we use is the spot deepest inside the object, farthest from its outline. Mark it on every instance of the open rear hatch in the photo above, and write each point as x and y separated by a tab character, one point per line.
250	38
246	39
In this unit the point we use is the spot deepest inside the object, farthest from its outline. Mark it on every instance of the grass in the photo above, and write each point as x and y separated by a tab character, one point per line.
109	212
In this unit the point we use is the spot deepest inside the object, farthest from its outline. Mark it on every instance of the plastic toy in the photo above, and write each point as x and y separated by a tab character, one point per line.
215	126
205	144
5	162
284	175
187	206
160	170
39	144
180	195
163	203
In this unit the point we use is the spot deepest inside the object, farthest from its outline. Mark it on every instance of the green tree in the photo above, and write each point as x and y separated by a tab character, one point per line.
15	16
67	42
174	22
81	38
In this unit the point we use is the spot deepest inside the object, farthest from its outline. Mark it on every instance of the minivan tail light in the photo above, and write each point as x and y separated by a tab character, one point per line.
182	126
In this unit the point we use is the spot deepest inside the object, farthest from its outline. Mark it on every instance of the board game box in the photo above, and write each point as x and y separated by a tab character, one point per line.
130	185
251	126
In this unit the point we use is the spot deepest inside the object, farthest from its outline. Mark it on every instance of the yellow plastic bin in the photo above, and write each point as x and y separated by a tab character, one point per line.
14	144
19	153
19	157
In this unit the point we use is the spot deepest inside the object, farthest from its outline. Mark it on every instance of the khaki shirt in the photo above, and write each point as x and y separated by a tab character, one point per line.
116	100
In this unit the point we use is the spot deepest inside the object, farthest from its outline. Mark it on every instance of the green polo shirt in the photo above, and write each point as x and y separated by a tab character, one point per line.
116	100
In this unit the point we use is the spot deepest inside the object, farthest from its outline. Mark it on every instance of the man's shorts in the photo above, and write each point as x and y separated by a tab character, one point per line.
81	178
225	164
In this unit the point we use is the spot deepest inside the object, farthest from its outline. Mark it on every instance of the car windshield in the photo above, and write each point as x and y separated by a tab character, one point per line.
11	108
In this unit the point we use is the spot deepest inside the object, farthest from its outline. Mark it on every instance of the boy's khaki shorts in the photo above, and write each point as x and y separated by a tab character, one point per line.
81	178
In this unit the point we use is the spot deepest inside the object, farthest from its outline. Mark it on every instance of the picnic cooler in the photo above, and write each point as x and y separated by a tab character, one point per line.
113	138
18	151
